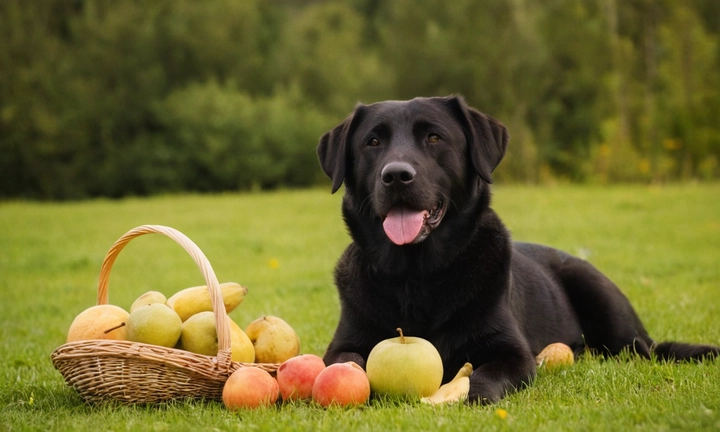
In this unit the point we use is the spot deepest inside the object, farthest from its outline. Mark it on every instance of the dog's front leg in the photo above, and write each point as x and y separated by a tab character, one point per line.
491	381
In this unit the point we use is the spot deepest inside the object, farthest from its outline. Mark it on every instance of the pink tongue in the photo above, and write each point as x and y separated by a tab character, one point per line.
402	226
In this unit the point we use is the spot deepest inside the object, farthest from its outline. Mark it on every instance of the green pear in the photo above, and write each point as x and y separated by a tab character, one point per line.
155	324
199	334
149	297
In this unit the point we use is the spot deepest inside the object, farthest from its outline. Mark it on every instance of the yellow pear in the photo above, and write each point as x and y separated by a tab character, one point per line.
190	301
242	347
274	340
149	297
99	322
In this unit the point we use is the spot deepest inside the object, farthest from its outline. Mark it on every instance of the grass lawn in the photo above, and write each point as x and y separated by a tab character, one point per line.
660	244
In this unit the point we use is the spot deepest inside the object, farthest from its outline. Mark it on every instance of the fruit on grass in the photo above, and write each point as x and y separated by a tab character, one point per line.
455	390
190	301
274	340
149	297
341	384
241	345
404	366
296	376
555	356
99	322
250	387
155	324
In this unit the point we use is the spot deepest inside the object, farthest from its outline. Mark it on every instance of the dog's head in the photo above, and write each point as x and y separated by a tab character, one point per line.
407	162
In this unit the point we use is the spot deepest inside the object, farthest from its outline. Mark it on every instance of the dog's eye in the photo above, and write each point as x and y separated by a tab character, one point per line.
373	142
433	138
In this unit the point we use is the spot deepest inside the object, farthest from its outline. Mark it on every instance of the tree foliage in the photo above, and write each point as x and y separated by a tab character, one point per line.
106	98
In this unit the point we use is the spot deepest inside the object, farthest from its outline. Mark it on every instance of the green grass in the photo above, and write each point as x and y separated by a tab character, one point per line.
660	244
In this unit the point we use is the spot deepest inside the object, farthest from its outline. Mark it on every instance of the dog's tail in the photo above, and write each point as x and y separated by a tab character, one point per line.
679	351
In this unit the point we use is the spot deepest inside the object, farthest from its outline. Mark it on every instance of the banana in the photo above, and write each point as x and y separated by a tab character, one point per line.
192	300
455	390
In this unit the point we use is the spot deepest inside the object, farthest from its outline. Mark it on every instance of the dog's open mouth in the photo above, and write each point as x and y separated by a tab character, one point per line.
404	225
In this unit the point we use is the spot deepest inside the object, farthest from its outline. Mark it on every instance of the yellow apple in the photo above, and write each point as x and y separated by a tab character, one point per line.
404	366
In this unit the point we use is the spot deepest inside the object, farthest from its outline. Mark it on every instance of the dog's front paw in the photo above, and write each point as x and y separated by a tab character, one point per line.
485	391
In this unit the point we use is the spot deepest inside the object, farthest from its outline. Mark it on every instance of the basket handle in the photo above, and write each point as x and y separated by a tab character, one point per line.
221	322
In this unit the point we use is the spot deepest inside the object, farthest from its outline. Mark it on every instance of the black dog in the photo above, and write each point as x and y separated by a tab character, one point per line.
431	257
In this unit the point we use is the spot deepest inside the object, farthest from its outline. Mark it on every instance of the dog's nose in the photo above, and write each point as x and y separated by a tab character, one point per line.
397	172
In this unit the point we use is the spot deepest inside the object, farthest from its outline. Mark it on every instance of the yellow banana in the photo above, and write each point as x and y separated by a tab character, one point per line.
455	390
192	300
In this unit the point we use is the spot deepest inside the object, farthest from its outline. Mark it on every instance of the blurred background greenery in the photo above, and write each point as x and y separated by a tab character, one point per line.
116	98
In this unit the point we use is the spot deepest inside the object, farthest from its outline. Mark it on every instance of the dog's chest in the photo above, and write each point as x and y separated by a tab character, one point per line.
418	306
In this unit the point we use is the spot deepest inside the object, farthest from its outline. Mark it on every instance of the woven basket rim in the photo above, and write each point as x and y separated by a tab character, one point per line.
72	358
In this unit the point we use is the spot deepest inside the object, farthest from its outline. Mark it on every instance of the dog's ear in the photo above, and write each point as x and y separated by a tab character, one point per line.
333	149
487	138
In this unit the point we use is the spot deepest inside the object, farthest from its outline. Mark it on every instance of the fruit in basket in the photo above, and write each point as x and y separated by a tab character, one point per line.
99	322
240	344
404	366
296	376
249	387
341	384
200	336
149	297
190	301
274	339
155	324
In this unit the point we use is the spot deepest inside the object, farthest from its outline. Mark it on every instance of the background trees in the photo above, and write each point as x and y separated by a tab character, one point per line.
104	98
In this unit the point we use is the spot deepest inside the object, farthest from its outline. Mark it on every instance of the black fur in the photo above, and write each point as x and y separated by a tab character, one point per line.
466	287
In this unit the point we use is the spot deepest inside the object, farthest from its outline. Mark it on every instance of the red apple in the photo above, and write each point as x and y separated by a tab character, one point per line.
250	387
341	384
296	376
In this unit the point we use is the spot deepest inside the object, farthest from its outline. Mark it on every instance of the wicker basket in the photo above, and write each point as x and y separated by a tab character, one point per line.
133	372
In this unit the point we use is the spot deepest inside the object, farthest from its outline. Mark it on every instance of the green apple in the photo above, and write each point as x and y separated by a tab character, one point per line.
155	324
404	366
149	297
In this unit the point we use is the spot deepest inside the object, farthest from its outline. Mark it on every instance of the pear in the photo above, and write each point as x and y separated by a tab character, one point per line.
149	297
99	322
199	336
155	324
242	347
274	340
